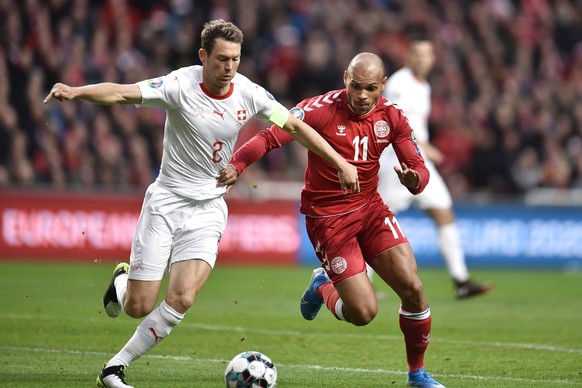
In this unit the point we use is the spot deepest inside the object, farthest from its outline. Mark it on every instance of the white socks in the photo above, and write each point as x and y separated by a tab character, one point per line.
370	272
154	328
450	247
415	316
120	283
339	313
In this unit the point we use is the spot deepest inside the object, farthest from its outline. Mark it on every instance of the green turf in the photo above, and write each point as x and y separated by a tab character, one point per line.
527	333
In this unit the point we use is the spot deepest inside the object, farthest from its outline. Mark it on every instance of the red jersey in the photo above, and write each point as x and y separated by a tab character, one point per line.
359	139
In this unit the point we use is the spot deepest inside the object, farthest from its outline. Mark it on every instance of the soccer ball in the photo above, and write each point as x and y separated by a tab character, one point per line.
250	370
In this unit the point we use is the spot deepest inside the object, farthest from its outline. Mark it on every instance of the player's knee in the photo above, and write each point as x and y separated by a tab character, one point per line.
180	302
138	308
363	315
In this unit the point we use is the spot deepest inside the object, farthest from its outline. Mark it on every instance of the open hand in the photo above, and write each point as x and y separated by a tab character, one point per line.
407	176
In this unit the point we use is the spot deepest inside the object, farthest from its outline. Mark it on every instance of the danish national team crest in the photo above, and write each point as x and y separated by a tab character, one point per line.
298	113
338	265
381	128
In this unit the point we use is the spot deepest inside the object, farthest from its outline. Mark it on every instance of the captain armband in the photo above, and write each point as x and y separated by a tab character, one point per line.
279	116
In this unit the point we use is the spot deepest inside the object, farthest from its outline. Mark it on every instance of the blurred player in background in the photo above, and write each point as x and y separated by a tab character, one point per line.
184	212
349	231
409	89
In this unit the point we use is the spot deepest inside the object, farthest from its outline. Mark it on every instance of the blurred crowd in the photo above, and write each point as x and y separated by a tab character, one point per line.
507	87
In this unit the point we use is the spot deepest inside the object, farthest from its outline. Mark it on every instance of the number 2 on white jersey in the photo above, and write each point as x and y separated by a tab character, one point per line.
394	227
217	148
364	143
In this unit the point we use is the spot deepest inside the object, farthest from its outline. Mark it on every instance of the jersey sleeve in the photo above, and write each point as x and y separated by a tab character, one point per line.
268	139
267	107
408	152
413	98
161	92
258	146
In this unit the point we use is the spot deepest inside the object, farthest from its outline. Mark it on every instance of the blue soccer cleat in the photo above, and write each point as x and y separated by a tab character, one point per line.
110	302
422	379
310	301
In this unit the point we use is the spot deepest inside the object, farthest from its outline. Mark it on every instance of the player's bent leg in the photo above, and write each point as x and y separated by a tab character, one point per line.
186	279
141	297
397	267
153	328
359	299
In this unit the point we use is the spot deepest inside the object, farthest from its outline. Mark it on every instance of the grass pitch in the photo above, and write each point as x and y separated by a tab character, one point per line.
526	333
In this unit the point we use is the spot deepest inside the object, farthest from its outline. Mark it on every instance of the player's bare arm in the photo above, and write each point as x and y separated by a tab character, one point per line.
106	93
309	138
408	177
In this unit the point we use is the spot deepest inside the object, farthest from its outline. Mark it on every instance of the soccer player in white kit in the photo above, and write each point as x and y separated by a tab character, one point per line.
409	89
184	213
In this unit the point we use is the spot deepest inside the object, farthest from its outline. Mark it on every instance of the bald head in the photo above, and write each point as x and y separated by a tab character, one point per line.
364	79
366	63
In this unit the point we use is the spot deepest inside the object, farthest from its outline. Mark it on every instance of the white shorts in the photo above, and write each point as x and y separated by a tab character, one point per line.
435	195
173	228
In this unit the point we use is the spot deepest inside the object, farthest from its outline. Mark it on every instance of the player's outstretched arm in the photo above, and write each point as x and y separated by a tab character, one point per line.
106	93
310	139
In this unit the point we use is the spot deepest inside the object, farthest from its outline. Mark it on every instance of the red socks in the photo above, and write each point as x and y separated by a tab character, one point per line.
416	329
330	297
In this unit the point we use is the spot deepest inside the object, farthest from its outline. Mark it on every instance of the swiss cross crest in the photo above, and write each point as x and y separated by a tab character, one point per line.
241	115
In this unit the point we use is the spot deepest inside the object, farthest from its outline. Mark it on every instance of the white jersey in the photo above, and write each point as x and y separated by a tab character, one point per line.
413	97
201	129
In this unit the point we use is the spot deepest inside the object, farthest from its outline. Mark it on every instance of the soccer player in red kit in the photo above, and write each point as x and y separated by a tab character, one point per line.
348	231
